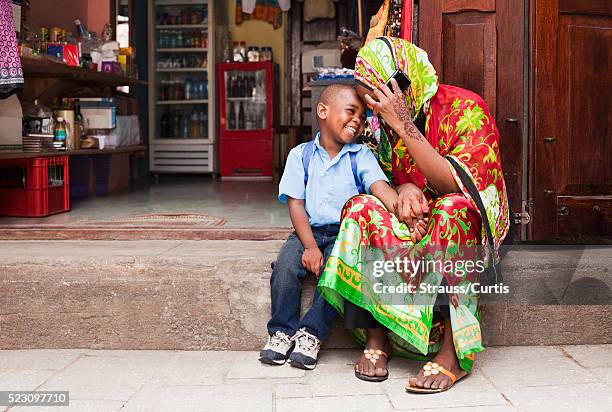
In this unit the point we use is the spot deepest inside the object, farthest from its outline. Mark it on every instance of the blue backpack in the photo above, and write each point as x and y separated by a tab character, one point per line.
307	155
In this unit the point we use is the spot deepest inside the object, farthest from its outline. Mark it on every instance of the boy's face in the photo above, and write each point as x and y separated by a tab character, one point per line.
344	116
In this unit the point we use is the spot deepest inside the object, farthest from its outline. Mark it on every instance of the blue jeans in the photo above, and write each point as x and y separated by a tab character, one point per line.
286	288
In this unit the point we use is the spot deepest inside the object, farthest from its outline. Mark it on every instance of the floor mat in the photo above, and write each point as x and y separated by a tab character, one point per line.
170	220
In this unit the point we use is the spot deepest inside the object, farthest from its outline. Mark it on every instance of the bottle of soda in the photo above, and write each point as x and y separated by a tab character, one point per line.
165	125
239	87
79	124
185	129
59	133
252	86
195	125
241	120
204	124
231	118
176	125
189	89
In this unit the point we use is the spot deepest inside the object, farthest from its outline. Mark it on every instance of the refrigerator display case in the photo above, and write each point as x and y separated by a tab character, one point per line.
246	107
181	86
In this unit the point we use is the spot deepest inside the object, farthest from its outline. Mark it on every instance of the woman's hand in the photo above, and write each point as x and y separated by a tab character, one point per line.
393	108
412	208
312	259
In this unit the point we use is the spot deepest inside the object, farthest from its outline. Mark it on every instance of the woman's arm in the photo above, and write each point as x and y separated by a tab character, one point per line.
385	194
394	110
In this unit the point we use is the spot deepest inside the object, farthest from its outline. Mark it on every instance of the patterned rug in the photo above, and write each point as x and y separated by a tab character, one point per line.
169	220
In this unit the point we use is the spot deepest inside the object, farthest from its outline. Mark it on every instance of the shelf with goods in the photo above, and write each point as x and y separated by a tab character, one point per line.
177	102
183	70
43	67
181	26
182	49
181	86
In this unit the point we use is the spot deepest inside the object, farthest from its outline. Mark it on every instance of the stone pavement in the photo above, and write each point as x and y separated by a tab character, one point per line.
543	378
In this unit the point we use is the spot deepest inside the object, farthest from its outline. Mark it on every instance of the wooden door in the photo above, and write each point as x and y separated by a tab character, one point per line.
572	168
479	45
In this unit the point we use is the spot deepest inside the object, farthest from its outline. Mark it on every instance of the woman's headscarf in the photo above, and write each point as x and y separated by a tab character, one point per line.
380	58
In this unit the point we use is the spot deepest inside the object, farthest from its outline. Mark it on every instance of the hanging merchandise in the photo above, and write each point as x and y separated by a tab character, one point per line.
266	10
378	22
248	6
11	75
406	25
394	19
319	9
285	5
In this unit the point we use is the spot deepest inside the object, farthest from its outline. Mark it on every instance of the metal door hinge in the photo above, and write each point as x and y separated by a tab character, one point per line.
524	217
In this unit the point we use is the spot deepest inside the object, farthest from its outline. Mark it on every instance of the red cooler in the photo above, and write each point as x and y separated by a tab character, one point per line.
246	119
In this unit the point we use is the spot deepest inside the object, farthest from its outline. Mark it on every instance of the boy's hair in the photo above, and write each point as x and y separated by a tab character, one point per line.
331	92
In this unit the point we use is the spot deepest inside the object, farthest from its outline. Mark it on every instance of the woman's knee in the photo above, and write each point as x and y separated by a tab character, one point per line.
361	204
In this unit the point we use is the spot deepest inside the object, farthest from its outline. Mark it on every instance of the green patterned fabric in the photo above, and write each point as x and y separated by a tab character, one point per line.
376	63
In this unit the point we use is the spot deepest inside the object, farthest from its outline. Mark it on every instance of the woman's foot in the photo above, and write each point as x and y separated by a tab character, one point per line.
376	340
446	358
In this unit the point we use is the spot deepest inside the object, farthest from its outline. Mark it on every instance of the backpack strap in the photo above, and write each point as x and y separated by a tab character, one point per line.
306	156
360	188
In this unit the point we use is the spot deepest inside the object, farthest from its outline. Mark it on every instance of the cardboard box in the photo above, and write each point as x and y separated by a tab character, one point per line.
11	118
101	117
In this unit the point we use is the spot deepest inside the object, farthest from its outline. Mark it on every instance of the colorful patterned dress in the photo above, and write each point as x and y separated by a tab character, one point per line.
458	124
11	75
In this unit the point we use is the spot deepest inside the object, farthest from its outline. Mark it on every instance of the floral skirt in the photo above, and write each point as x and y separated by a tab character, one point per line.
368	229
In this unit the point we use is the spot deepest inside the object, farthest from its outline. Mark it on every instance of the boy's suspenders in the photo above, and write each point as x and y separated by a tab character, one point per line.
307	155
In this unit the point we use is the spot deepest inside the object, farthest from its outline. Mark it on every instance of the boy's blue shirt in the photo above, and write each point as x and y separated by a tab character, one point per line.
330	181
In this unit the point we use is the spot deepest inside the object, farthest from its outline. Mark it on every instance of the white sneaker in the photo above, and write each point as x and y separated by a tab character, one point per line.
276	350
307	347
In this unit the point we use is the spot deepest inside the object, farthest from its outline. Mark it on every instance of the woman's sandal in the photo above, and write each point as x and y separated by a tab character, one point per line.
373	355
432	368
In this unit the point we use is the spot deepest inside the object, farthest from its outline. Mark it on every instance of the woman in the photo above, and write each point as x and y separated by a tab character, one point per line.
435	219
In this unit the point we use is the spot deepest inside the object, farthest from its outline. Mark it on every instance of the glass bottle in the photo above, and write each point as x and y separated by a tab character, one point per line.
189	92
241	120
185	126
195	125
231	118
59	133
204	124
176	125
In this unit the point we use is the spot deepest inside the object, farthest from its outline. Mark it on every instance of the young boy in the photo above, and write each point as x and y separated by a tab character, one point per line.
320	176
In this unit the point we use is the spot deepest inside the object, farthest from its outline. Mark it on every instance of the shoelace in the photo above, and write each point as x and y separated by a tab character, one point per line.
277	339
305	341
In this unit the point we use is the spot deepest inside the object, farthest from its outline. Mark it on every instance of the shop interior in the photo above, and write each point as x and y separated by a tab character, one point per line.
164	112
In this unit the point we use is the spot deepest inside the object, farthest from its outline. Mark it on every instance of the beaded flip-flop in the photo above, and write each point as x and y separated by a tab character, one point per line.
373	355
432	368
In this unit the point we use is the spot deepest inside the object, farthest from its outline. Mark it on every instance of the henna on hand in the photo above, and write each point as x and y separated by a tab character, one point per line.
403	114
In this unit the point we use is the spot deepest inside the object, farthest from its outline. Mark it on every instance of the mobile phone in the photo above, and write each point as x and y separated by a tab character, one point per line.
402	81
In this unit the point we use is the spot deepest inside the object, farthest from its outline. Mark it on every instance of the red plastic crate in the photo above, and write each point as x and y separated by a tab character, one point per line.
34	187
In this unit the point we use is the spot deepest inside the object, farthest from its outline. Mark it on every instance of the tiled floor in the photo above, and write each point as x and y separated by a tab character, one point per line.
505	378
242	204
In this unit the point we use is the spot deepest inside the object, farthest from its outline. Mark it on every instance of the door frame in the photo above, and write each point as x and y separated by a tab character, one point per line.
542	173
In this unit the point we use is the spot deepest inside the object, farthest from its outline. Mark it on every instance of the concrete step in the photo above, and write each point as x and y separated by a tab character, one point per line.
214	294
